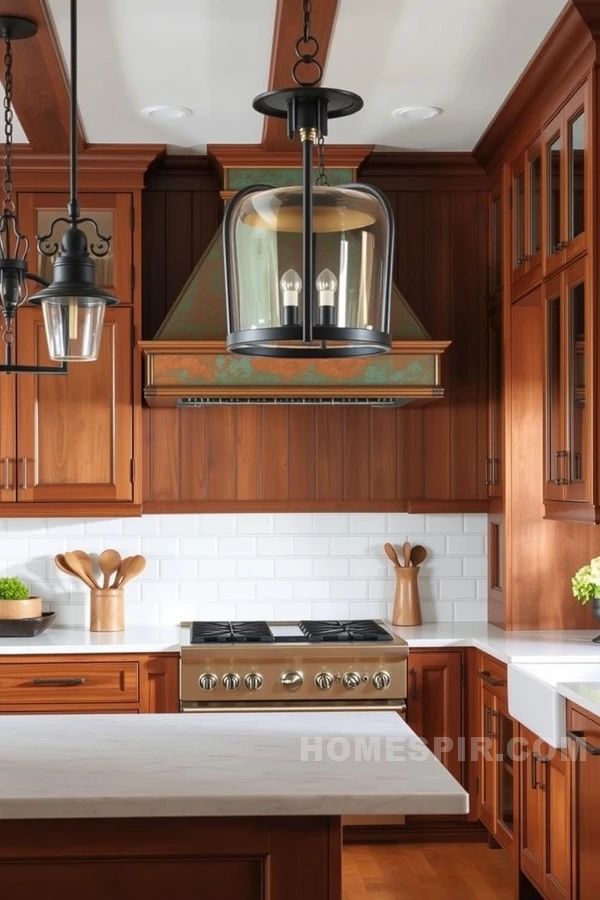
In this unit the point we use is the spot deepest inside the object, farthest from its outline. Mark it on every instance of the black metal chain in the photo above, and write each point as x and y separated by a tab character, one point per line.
306	58
8	202
321	180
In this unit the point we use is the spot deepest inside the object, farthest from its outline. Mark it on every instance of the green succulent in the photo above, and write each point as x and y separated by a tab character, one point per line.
13	589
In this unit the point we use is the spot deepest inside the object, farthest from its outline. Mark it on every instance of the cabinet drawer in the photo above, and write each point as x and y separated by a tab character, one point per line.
492	674
69	682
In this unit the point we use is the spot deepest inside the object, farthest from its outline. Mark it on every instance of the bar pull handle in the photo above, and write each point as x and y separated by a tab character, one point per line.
580	738
25	485
57	682
413	675
6	473
488	480
535	759
489	679
488	722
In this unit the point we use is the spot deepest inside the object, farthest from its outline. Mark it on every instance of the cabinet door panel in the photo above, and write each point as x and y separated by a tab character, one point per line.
435	704
586	801
75	431
576	383
487	765
8	438
532	810
555	440
578	176
504	733
557	862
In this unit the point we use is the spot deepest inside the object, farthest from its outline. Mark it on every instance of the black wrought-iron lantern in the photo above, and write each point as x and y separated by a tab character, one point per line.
73	305
308	269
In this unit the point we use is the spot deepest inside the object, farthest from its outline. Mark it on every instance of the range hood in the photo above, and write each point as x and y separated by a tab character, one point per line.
187	364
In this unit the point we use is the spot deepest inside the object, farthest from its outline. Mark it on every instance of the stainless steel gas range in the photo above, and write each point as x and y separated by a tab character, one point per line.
306	665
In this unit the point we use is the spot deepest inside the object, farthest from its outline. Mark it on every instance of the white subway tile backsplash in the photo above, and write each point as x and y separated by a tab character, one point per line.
259	565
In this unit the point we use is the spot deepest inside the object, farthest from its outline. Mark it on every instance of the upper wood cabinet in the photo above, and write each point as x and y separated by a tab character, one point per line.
495	445
570	482
495	247
566	176
75	431
113	214
526	207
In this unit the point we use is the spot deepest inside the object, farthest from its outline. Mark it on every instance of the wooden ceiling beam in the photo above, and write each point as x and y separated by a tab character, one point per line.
41	88
287	29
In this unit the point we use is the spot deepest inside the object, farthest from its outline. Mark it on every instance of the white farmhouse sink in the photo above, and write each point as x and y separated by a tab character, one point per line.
535	702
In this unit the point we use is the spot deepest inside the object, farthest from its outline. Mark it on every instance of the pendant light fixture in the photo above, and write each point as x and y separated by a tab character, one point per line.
14	245
73	305
308	270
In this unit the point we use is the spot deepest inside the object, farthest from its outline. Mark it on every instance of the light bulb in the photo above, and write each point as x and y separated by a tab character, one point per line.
291	285
327	285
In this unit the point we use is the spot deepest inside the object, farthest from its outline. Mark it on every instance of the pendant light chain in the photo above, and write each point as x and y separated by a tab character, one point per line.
8	202
306	58
321	180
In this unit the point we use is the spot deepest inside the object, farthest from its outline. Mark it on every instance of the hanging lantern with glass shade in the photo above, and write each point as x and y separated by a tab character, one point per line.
308	270
73	304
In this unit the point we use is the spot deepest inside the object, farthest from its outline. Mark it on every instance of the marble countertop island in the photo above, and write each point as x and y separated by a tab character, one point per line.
226	764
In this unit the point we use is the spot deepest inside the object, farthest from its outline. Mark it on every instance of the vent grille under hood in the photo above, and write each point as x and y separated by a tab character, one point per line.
188	364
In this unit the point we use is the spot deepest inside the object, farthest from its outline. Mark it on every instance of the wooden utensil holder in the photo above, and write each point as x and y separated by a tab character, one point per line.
107	609
407	603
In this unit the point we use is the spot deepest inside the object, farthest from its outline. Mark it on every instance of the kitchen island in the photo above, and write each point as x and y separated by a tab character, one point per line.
245	805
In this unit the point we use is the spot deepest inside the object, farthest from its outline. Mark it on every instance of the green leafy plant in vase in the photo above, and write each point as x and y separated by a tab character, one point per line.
586	586
15	602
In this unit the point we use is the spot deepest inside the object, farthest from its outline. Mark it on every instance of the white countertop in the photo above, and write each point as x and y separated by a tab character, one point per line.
225	764
136	639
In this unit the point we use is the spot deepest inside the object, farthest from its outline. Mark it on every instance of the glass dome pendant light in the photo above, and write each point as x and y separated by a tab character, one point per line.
73	305
14	245
308	269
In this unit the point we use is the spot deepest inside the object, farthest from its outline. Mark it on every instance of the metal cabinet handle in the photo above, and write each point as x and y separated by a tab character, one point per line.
535	759
57	682
489	679
495	471
25	485
580	738
493	720
560	469
413	674
560	245
488	480
487	724
6	473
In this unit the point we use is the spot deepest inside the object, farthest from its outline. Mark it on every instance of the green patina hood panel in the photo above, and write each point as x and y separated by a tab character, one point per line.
198	314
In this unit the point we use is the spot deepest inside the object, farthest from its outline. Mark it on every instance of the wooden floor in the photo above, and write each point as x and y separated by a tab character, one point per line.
426	872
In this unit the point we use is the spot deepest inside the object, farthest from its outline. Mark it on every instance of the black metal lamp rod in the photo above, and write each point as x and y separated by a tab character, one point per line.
308	265
74	210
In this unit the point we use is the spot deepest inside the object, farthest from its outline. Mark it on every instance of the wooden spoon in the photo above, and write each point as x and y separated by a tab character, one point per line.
88	565
59	562
390	552
406	552
78	568
129	568
418	554
109	562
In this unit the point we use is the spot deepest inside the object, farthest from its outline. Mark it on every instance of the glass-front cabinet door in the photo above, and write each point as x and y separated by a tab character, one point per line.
493	462
527	215
576	364
113	215
495	247
519	218
505	779
565	168
534	204
554	382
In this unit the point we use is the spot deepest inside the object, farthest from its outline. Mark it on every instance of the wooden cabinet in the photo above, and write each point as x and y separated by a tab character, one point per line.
495	247
565	170
545	844
526	209
113	214
110	683
435	705
72	438
494	459
497	792
570	482
584	749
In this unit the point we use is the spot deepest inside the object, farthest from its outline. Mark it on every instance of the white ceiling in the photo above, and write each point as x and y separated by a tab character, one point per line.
213	57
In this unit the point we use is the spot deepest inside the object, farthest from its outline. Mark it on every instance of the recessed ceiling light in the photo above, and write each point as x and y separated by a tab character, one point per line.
417	112
166	112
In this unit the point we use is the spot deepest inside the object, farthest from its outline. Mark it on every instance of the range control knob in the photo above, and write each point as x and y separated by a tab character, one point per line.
351	680
324	680
381	681
291	680
208	681
253	681
231	681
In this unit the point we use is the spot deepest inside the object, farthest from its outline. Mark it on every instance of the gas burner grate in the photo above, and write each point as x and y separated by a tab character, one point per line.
230	633
329	631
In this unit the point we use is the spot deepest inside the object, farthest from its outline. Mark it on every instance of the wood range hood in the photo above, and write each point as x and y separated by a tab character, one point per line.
187	364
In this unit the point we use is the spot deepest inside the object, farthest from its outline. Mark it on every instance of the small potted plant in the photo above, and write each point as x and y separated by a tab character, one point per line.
15	602
586	586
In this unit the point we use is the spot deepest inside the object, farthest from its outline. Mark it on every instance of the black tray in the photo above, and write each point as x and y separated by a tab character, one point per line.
19	628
